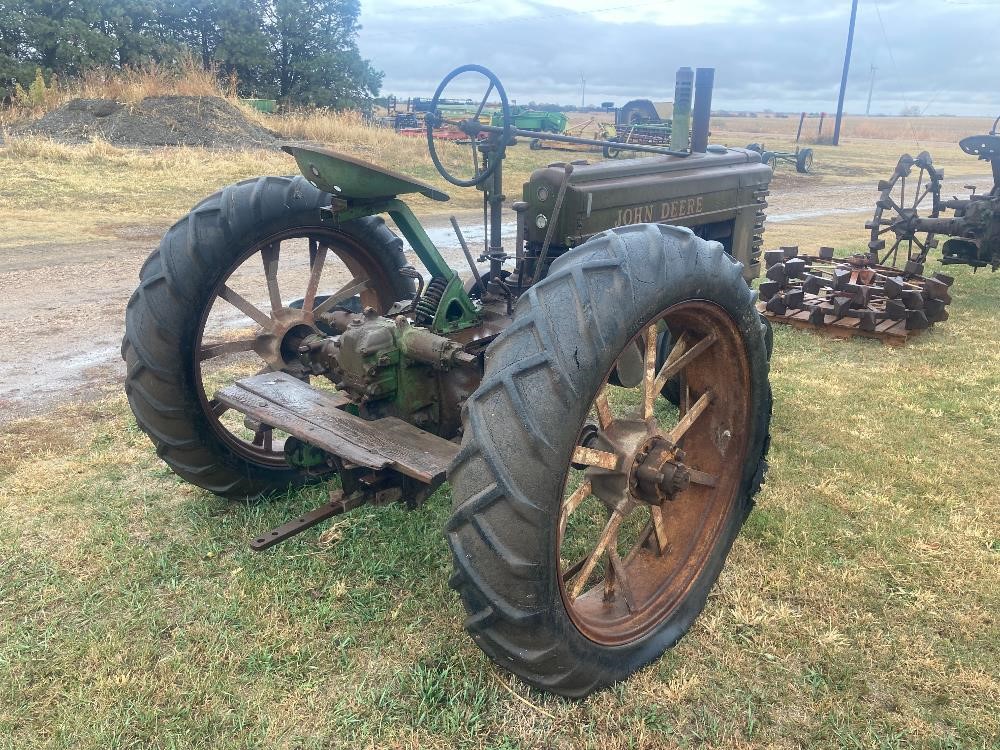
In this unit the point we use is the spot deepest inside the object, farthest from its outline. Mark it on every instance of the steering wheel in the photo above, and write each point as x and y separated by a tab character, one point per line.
471	126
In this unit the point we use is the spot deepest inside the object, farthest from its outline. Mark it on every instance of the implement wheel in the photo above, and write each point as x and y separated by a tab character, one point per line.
591	520
214	304
804	161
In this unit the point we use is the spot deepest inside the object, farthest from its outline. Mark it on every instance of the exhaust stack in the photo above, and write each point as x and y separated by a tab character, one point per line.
704	83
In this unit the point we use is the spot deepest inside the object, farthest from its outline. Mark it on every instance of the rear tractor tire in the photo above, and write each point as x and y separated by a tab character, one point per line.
592	518
209	309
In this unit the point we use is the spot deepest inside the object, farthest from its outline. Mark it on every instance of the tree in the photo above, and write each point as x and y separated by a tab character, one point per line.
300	51
314	52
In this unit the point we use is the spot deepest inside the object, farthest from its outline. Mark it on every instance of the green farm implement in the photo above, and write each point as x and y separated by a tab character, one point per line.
597	397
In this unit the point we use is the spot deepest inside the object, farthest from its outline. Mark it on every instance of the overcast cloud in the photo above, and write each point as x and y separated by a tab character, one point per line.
941	55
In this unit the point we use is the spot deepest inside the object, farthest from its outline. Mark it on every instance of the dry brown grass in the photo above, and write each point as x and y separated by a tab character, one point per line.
129	86
187	78
919	129
858	608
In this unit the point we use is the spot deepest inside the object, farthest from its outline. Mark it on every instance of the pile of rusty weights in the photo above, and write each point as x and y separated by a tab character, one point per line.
830	290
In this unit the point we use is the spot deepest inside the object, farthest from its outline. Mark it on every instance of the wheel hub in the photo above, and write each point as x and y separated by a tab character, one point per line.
658	473
278	345
650	467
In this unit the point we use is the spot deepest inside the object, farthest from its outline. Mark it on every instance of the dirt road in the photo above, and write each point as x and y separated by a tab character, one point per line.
62	306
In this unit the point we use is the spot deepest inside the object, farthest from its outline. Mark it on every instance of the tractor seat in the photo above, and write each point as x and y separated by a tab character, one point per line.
348	177
986	147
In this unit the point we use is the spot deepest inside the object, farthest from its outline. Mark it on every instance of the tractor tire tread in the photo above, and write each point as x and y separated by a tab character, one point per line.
162	316
508	594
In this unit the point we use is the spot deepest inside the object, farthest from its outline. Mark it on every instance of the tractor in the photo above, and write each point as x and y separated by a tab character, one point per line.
973	230
598	399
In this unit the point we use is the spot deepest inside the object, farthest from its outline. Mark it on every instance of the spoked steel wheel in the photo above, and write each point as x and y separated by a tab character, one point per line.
592	516
232	290
255	323
894	227
648	489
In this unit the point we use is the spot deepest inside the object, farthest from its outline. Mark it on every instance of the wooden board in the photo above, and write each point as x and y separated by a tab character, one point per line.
316	417
893	332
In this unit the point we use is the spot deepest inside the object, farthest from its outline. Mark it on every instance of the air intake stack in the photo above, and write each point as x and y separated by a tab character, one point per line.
704	82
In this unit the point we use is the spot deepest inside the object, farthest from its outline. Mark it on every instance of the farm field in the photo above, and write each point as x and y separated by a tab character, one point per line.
858	608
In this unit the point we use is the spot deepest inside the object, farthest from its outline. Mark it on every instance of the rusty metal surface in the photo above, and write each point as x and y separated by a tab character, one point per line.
852	296
338	503
910	223
649	490
312	415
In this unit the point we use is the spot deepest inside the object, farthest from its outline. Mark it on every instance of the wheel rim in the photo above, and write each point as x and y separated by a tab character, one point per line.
248	326
650	489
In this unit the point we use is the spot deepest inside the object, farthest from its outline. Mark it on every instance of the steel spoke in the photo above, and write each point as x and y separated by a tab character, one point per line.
604	415
685	394
685	422
670	369
644	535
263	438
571	503
892	251
659	528
593	457
217	407
354	286
618	578
240	303
317	258
573	569
482	104
703	478
209	351
609	534
269	256
650	373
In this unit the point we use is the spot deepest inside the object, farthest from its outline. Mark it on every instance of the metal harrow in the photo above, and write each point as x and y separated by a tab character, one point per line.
855	293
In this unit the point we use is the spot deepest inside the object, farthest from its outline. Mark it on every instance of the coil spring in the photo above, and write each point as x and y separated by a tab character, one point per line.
428	304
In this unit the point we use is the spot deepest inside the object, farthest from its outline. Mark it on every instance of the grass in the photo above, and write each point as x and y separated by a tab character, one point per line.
858	609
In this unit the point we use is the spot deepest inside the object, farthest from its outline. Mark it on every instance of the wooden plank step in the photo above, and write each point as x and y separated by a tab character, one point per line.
314	416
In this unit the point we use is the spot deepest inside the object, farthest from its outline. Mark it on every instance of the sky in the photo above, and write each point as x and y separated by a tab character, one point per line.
941	56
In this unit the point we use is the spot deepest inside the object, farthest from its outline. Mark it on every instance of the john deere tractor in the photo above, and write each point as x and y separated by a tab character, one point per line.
597	398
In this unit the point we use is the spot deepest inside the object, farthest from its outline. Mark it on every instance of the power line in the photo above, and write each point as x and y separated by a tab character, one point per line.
895	69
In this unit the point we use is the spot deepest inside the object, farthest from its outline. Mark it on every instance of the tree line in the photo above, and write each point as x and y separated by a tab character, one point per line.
296	51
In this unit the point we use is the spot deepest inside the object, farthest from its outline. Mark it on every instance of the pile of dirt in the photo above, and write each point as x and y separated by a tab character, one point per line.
207	121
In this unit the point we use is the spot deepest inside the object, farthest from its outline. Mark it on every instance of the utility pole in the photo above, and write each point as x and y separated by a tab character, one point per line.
871	88
583	92
843	78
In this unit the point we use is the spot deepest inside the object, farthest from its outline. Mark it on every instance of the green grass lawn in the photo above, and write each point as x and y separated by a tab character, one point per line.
858	609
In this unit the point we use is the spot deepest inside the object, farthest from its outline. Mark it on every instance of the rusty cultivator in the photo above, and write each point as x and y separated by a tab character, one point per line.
597	398
907	224
855	296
